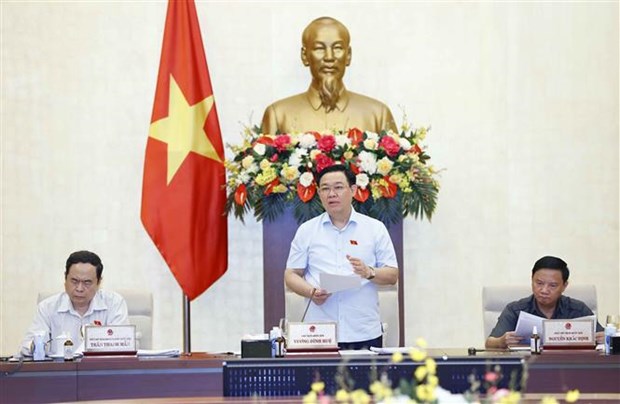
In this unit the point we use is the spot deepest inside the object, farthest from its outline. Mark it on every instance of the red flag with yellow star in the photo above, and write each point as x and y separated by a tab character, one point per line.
183	194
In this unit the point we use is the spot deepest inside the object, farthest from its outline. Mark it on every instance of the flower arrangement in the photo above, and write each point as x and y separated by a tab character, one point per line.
270	172
423	387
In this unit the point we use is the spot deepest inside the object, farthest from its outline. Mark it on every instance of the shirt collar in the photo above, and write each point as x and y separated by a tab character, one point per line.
315	99
354	218
559	307
97	304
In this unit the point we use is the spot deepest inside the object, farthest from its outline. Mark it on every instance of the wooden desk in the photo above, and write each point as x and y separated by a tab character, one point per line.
111	378
560	371
203	375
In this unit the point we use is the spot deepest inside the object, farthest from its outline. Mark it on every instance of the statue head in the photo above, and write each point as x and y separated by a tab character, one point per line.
326	51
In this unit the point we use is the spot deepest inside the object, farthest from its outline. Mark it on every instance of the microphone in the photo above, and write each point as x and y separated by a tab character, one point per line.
308	305
471	351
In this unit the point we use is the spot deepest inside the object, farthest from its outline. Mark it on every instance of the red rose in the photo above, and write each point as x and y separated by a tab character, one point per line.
282	142
327	143
274	158
390	145
322	162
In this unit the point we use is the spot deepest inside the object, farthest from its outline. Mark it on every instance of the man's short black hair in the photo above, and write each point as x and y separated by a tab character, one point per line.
337	168
549	262
84	257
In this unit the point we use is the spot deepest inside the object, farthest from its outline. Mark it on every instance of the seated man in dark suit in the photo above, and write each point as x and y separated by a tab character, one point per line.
549	280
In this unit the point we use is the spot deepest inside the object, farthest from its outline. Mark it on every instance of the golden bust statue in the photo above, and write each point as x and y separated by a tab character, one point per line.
327	104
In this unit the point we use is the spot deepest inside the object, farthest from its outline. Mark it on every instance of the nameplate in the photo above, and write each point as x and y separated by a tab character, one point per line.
567	334
110	339
312	337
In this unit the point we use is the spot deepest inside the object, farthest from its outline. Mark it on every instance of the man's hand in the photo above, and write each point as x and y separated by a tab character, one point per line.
359	267
600	337
510	338
320	296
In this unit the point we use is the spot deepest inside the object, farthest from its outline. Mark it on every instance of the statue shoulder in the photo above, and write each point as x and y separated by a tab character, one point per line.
366	100
288	102
275	114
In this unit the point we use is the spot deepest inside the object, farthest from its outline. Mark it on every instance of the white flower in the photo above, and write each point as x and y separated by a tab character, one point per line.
307	141
361	180
252	169
296	157
370	144
306	179
243	178
259	148
247	161
368	162
404	144
342	140
384	166
372	135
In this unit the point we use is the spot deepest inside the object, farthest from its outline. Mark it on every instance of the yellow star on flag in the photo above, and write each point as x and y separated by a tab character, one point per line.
183	129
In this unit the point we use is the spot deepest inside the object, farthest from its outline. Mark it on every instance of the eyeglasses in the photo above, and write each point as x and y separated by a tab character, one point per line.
338	190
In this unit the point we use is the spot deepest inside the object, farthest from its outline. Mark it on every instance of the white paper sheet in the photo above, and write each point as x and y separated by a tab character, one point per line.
335	283
159	352
526	323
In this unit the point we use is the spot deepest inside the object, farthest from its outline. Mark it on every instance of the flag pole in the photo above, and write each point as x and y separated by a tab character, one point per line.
187	337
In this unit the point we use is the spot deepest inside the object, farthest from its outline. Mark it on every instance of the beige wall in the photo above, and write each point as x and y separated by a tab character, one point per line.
522	99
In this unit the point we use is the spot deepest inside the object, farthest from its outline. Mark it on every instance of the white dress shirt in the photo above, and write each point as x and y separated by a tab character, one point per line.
319	246
56	316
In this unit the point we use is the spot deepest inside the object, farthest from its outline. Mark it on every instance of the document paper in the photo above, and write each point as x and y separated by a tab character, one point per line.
525	325
335	283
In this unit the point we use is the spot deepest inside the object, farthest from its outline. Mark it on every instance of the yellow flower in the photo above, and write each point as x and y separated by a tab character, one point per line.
266	176
279	189
423	393
290	174
421	342
318	387
431	365
384	166
548	400
310	398
420	373
379	390
265	164
342	396
397	357
432	380
417	355
513	397
572	396
348	155
360	396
